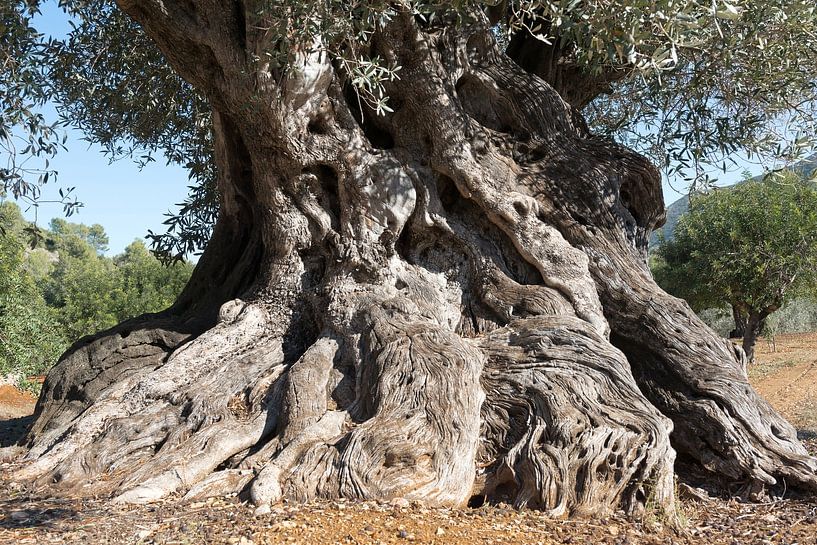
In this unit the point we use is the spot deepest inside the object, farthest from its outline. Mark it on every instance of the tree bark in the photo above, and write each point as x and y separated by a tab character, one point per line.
754	325
739	317
451	300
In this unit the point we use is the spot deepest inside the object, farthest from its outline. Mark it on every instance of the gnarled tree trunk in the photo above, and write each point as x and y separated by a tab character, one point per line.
446	301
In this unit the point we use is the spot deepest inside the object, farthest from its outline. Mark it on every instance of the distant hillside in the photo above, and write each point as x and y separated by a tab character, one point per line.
681	206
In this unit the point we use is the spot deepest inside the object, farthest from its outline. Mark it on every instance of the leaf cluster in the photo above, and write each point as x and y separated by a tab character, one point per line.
112	83
27	139
753	245
740	84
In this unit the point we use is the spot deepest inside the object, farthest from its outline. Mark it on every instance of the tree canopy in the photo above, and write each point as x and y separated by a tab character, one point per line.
689	83
751	246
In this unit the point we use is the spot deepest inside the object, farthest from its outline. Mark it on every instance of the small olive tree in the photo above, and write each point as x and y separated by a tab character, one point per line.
752	247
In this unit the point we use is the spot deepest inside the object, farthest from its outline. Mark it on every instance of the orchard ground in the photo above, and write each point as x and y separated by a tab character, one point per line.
786	376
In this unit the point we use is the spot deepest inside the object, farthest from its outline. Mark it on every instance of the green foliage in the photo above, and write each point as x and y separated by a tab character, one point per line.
29	341
718	319
91	292
67	288
12	221
131	102
83	290
22	129
27	139
753	246
796	316
61	232
145	284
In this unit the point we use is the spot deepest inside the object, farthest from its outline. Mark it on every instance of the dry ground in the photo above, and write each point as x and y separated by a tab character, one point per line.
787	377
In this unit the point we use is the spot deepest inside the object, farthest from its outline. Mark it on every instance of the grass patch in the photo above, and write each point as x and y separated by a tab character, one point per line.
806	419
763	369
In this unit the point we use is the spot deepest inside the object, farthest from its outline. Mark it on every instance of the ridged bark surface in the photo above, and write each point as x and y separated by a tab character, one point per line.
447	301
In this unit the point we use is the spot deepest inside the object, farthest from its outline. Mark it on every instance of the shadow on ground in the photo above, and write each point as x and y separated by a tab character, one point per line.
14	429
806	435
33	518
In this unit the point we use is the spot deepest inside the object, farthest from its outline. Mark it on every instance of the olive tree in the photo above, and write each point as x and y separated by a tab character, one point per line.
750	247
427	278
29	344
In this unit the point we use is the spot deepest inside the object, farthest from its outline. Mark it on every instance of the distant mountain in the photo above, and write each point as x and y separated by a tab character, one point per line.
681	206
674	213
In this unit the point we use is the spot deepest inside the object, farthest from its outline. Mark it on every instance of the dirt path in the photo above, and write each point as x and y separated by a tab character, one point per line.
787	378
14	403
227	521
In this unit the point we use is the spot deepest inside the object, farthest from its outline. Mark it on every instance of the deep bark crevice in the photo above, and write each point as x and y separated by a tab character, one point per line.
553	62
371	124
486	106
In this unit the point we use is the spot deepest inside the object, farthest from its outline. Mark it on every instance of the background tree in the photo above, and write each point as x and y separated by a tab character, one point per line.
85	290
74	237
147	285
428	277
29	341
67	289
750	247
90	292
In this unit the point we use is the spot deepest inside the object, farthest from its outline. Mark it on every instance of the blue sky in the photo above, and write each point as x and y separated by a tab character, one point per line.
128	201
125	200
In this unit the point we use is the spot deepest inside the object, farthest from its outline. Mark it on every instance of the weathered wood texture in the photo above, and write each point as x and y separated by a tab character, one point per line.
447	301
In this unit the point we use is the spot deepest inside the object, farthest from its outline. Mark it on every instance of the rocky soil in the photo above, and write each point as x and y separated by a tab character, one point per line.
787	377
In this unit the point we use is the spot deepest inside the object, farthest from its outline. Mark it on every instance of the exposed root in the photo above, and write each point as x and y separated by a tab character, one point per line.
721	420
93	365
220	483
214	446
306	398
171	421
267	486
417	414
566	428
